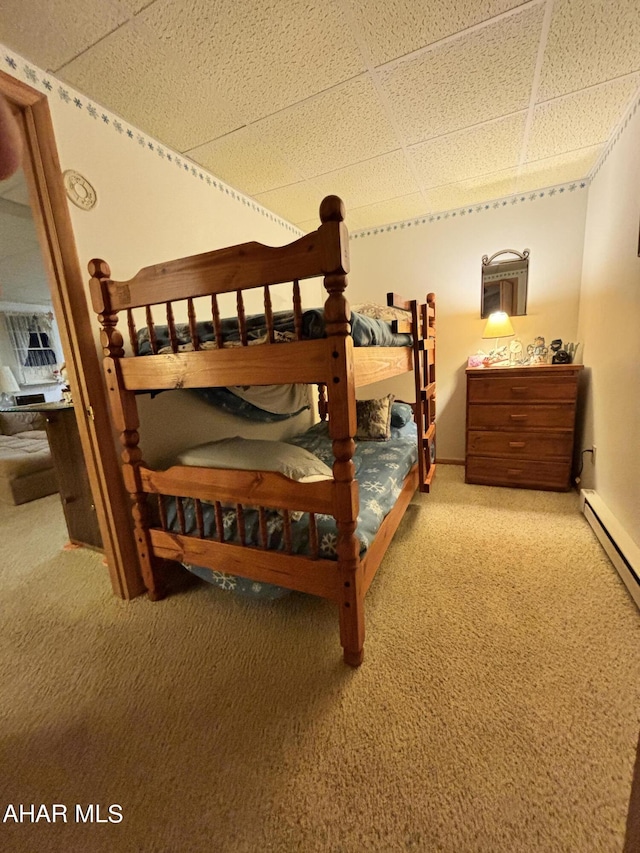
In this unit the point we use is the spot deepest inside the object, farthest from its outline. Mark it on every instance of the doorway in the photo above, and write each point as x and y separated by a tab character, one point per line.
66	285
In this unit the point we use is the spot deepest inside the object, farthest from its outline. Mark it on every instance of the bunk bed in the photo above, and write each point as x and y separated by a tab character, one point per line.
181	514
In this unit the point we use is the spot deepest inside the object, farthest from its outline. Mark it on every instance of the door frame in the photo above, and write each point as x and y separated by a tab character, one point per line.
78	333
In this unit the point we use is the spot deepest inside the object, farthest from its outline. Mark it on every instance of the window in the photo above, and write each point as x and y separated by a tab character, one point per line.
29	336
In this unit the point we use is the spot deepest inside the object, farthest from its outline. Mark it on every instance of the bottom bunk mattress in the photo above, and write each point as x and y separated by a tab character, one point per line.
380	469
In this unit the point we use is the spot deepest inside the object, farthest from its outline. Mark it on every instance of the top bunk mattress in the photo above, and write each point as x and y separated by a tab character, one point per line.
366	332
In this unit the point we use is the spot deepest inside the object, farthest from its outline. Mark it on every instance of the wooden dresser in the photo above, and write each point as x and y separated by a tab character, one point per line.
521	426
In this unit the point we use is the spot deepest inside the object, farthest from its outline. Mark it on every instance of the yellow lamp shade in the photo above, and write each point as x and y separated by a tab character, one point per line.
498	326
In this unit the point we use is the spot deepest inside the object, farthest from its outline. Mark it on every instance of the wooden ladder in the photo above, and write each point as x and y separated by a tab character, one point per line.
423	330
424	371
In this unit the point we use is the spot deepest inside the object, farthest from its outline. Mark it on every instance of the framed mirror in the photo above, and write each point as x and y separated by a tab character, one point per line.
504	283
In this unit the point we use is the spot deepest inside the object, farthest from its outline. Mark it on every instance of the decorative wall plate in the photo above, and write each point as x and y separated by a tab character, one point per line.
79	190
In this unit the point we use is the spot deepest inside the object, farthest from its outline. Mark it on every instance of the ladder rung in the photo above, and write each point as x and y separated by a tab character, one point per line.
426	343
429	391
430	433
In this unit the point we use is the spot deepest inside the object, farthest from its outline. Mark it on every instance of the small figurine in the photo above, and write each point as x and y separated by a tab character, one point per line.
538	352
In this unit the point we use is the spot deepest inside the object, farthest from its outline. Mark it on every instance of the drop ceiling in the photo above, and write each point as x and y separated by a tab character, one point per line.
402	107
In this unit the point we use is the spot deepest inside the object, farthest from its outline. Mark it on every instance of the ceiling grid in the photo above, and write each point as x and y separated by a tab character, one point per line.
404	109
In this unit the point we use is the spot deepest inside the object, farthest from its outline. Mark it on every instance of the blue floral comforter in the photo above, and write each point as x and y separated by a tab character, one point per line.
380	468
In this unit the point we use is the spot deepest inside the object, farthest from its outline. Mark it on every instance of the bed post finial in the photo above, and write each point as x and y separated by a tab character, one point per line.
335	237
99	269
332	209
110	337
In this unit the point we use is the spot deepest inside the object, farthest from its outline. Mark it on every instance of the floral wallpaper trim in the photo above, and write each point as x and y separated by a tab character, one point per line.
454	213
46	83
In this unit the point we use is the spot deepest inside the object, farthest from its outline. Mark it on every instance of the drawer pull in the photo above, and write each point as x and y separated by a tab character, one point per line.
517	444
518	417
519	389
513	472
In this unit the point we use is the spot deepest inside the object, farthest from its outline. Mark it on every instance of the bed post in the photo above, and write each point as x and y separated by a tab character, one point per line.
124	412
342	428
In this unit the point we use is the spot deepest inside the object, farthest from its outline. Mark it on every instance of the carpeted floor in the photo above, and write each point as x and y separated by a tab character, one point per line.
498	707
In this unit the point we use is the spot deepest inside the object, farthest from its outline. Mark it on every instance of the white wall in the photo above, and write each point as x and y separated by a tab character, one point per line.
609	324
445	256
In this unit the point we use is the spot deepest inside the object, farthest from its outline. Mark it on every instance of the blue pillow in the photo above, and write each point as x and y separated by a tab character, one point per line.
401	414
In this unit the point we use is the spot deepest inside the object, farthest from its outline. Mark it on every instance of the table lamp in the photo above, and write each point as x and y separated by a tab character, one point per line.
498	326
8	386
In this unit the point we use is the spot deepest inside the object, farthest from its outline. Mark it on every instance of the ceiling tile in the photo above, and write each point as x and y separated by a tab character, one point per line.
480	76
580	120
334	129
384	212
285	108
55	31
371	181
479	150
243	158
590	41
296	203
473	192
153	88
393	28
261	59
572	166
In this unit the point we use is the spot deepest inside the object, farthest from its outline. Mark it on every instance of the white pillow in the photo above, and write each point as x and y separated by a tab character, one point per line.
253	454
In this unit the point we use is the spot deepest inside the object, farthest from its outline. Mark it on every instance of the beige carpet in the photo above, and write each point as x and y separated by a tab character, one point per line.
498	707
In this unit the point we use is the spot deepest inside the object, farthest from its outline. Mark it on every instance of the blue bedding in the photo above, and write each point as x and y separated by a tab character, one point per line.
380	468
365	331
229	402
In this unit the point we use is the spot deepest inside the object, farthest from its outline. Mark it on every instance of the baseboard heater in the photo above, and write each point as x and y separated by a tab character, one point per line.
620	548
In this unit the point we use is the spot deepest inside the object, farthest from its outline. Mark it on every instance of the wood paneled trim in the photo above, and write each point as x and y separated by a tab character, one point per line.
55	232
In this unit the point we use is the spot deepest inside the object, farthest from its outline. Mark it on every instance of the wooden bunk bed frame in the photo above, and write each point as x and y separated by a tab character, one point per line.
332	363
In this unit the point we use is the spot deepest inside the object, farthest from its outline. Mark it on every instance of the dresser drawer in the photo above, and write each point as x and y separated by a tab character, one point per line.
521	417
521	389
520	473
522	445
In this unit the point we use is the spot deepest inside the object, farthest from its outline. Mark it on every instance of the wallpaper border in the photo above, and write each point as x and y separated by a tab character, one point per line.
515	198
483	207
